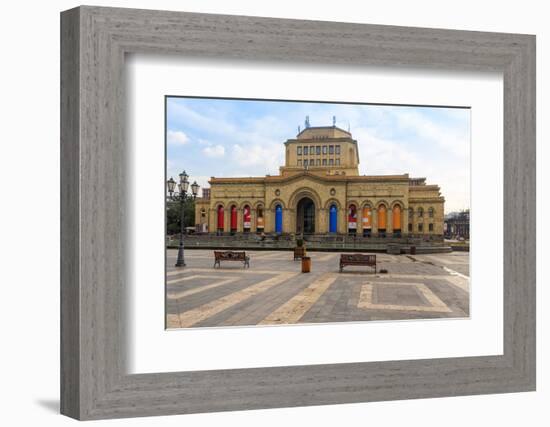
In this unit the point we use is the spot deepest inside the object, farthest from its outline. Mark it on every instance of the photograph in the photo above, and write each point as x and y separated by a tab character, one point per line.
285	212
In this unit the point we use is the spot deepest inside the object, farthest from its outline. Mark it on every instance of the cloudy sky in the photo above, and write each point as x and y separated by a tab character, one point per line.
217	137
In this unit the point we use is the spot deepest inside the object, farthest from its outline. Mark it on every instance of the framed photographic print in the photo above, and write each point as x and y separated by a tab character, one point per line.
261	213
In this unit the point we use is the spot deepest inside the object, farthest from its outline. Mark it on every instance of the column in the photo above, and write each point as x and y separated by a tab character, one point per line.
289	220
360	219
211	220
343	220
269	219
240	219
252	219
227	219
321	225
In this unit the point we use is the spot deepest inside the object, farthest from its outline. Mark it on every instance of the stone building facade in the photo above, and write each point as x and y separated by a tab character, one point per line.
457	225
319	191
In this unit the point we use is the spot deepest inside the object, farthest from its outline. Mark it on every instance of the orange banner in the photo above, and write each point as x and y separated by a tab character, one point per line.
382	217
396	217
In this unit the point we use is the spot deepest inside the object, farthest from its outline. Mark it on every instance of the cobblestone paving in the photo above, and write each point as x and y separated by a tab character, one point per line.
273	290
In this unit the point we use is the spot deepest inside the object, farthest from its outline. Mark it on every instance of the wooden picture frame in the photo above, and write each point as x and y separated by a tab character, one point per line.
94	382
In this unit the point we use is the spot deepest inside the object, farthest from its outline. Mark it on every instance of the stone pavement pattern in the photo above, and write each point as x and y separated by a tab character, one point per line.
273	290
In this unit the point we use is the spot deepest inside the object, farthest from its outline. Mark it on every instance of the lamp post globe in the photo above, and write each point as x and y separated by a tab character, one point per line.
194	188
171	185
184	182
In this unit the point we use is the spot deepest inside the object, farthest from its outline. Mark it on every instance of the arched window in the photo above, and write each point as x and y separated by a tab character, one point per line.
260	219
352	219
278	219
220	219
431	212
246	219
333	219
382	220
396	220
411	213
233	219
420	212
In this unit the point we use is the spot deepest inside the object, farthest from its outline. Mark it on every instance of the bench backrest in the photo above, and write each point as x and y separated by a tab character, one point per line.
230	255
360	258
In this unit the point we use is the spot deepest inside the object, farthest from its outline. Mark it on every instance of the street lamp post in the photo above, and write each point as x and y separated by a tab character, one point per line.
182	197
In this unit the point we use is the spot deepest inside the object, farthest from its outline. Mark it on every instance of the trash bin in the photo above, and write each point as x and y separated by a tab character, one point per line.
413	250
306	264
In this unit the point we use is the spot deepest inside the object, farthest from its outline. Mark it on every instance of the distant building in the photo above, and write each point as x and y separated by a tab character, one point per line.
319	191
457	225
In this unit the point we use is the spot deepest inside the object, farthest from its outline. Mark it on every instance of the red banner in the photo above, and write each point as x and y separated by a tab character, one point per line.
367	218
220	217
233	217
246	217
352	217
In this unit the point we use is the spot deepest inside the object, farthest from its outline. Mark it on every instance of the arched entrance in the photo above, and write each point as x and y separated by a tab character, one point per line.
305	216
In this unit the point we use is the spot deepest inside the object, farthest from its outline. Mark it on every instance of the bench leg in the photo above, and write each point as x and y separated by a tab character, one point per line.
216	262
341	268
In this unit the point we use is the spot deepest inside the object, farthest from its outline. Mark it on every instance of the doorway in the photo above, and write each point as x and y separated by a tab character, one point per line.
305	216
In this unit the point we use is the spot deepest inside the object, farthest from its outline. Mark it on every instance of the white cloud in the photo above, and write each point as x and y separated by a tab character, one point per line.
177	137
381	156
456	141
182	114
214	151
258	158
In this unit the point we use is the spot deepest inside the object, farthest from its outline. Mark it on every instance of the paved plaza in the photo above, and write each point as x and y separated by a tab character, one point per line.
273	290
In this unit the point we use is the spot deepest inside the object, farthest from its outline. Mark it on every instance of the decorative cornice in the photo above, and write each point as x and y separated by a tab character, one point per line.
306	174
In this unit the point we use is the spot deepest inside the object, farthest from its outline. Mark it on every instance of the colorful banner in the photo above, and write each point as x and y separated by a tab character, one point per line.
233	217
352	217
367	218
246	217
220	217
260	222
382	217
396	218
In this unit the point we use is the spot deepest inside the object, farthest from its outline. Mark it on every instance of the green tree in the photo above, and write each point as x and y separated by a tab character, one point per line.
173	216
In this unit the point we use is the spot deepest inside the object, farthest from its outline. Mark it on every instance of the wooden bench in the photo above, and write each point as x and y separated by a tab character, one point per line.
231	256
357	259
